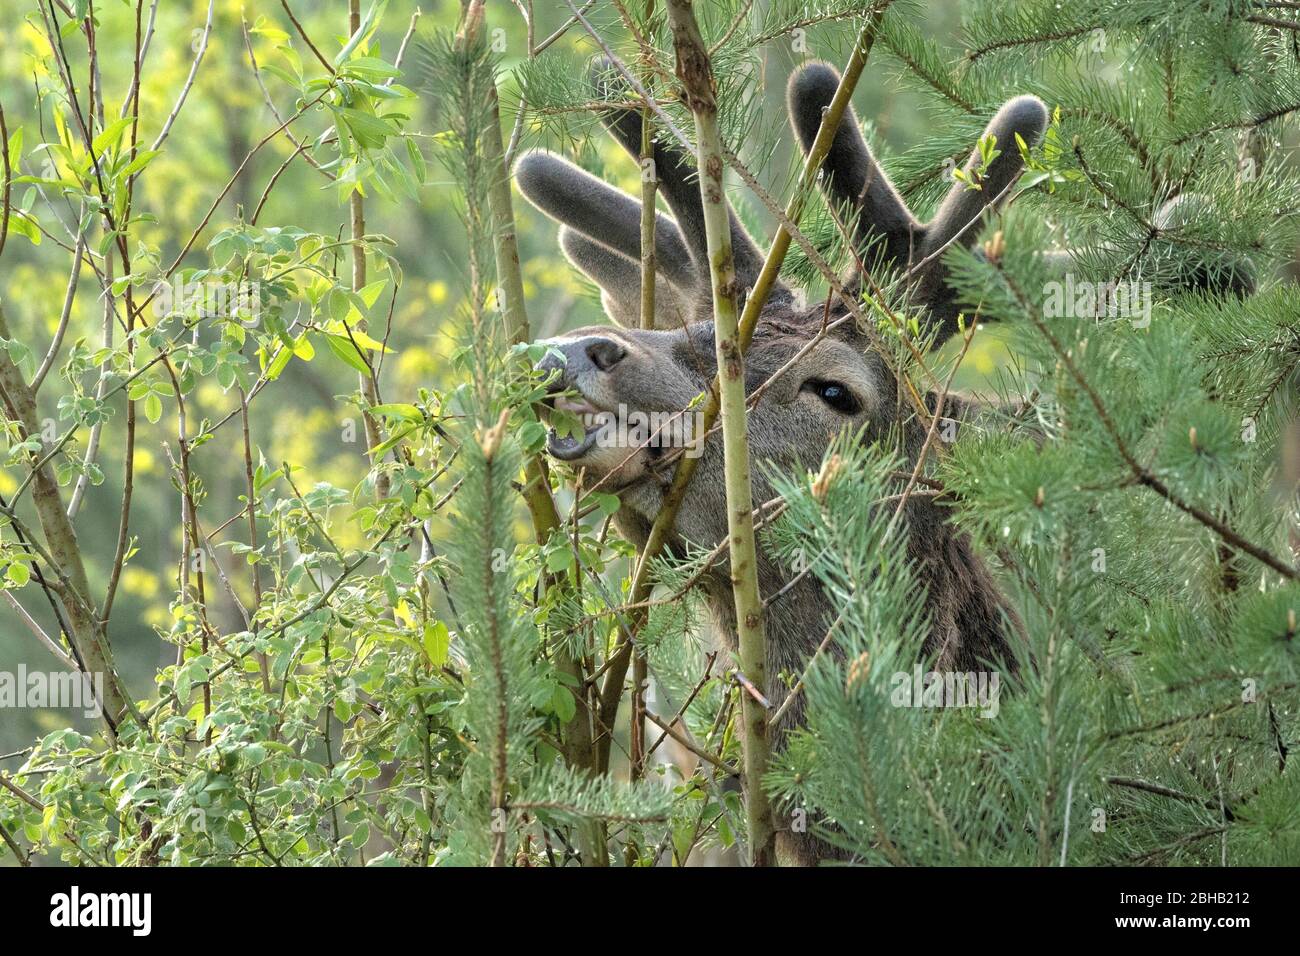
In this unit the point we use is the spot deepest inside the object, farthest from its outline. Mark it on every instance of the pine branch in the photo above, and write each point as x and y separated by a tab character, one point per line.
1049	37
1141	473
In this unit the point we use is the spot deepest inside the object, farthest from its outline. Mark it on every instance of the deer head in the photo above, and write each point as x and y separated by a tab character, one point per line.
837	384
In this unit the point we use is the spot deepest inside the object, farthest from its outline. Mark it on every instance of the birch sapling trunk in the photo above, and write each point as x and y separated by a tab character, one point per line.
357	229
695	73
88	636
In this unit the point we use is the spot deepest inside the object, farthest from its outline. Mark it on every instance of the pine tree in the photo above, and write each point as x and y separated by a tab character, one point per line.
1133	492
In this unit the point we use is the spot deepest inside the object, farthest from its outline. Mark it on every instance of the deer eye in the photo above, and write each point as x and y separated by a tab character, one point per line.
835	395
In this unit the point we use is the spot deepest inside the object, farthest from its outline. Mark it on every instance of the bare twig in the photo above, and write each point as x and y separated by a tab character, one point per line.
64	314
189	80
306	39
40	634
690	745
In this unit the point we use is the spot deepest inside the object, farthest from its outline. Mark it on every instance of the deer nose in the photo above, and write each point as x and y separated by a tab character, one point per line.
605	353
571	357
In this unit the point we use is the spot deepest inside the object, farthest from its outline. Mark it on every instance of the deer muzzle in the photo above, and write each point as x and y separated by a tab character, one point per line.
577	364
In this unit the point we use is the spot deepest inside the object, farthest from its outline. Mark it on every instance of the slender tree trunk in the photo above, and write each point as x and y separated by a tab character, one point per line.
491	442
357	229
649	186
577	733
88	637
694	71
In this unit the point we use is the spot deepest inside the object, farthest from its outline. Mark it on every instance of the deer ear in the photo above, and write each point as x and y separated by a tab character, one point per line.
1218	273
1221	274
1024	116
676	177
852	176
619	279
607	216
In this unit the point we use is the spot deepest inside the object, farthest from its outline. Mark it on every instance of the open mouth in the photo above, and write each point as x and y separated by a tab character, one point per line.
569	447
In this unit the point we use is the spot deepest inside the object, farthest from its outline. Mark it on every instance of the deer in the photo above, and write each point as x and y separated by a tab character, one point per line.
840	384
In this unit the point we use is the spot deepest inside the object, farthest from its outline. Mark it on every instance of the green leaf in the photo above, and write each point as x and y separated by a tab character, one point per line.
153	407
437	641
367	24
532	436
281	73
278	363
352	334
397	435
23	224
110	136
370	67
142	159
418	165
15	147
370	293
342	347
563	704
398	410
370	131
274	34
561	559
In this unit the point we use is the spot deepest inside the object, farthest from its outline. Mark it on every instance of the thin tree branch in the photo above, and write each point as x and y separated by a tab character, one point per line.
189	80
696	75
69	295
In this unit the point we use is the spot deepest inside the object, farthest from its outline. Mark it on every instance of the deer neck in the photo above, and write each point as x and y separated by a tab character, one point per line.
970	621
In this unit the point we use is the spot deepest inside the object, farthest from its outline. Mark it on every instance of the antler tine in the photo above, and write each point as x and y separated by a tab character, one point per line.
851	172
1025	116
619	279
607	216
677	180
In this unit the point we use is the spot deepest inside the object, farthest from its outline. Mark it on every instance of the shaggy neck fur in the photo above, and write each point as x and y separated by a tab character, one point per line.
970	626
